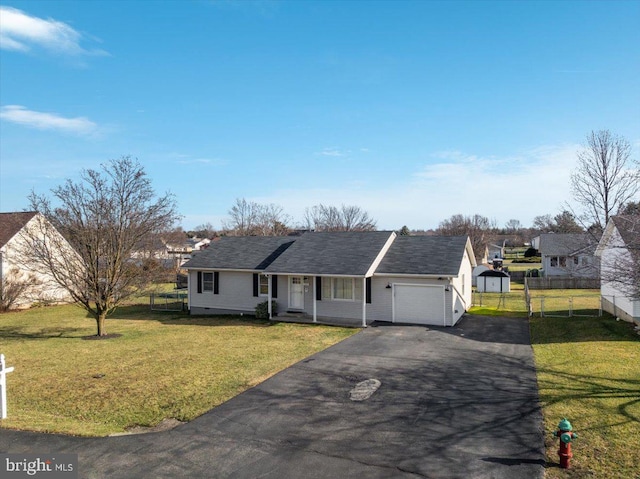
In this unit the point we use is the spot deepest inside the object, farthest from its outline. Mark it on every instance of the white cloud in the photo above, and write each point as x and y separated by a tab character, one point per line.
22	32
47	121
532	183
335	152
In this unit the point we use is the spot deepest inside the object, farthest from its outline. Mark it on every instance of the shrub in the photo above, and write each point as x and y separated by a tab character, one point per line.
262	309
531	252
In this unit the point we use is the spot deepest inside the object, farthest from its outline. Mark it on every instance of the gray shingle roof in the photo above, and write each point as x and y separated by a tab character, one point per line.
11	223
567	244
629	228
241	252
332	253
425	255
335	253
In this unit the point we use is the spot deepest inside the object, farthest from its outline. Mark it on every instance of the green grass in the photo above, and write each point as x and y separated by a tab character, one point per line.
554	302
164	365
558	301
589	371
522	266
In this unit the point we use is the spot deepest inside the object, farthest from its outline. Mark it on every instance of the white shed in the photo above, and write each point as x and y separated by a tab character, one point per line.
493	282
481	268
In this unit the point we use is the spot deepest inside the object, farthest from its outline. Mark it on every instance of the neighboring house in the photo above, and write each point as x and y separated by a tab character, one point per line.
569	255
491	252
619	253
366	276
535	243
19	273
495	251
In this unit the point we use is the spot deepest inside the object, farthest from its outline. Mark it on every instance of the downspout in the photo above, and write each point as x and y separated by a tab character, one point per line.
453	288
448	289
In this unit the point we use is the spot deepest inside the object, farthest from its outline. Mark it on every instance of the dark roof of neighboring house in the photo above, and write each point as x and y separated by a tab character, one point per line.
427	255
567	244
332	253
629	228
241	252
11	223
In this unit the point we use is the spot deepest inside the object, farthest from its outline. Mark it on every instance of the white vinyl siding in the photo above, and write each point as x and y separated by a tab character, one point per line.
236	292
614	299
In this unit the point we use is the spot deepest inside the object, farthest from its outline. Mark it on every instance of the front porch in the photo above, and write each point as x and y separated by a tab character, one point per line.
303	318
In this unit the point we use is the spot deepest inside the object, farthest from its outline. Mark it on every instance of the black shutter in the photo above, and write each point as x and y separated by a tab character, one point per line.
256	284
368	290
318	288
199	281
216	282
274	286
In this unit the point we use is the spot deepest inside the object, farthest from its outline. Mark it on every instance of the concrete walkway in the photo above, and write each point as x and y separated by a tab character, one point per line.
456	402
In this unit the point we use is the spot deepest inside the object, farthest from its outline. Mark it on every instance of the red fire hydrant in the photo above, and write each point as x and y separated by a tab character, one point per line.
566	435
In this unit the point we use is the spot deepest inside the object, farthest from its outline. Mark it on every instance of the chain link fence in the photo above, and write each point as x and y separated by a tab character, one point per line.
543	303
168	301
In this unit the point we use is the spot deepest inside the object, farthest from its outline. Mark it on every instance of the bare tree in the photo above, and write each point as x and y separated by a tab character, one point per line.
331	218
563	222
272	220
543	223
242	217
248	218
205	230
513	226
13	288
605	179
107	218
480	230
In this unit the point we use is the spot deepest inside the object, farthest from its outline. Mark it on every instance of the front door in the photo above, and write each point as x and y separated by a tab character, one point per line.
296	292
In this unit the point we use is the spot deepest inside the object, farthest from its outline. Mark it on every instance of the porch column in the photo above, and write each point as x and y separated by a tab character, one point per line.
315	316
364	302
269	279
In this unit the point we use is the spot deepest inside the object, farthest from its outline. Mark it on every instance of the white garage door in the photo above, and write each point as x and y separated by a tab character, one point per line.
419	304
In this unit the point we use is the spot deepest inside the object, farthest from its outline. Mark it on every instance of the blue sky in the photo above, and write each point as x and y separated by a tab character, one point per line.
412	110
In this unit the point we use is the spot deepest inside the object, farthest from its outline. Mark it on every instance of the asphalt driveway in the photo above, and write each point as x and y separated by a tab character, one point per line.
452	403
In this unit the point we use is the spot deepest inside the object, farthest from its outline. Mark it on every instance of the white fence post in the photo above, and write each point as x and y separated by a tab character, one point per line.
3	387
570	306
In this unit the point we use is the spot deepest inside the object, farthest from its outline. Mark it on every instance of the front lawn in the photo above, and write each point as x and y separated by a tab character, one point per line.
164	365
589	372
